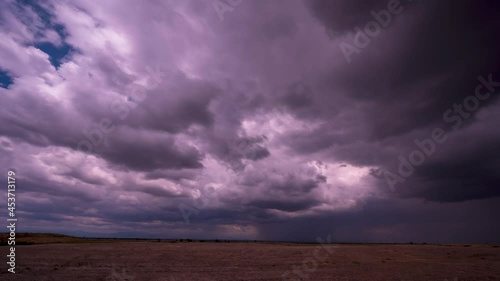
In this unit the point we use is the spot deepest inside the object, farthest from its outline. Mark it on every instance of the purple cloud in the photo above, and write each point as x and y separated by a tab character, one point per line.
116	114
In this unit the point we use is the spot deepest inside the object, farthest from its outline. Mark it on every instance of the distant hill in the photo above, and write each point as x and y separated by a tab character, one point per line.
40	238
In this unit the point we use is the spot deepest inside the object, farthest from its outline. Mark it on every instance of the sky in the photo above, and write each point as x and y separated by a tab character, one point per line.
369	121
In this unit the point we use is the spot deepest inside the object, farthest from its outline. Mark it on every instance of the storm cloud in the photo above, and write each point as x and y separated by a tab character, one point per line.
166	117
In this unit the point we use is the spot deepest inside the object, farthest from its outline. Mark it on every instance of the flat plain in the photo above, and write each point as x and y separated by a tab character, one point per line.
76	259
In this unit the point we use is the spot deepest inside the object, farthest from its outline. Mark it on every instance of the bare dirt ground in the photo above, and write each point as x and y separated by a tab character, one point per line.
167	261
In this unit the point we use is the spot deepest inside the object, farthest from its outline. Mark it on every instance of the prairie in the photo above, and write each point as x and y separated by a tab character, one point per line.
84	259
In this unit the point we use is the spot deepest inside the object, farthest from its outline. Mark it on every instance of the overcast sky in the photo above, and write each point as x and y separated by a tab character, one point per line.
374	121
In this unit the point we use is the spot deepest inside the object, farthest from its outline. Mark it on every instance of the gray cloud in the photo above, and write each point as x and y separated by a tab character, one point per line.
261	108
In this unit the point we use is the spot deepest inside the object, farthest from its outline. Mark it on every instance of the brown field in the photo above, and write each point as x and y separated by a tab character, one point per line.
78	259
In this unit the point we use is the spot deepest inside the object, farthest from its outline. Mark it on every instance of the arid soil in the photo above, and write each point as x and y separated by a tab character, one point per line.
170	261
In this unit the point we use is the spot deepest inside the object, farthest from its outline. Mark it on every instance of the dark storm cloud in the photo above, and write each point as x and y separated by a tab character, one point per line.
285	205
406	79
401	221
142	150
463	170
32	119
60	127
127	148
415	69
287	185
173	107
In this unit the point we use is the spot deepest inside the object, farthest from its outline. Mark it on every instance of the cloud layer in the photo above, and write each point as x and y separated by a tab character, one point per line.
255	125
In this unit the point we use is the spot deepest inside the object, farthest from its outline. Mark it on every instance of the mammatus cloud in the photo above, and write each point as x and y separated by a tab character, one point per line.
248	119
